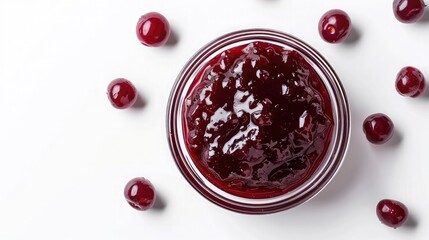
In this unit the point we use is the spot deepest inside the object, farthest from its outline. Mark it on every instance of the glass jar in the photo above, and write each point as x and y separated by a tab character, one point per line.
331	160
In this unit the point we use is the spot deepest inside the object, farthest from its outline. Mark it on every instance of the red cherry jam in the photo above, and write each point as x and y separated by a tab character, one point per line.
257	120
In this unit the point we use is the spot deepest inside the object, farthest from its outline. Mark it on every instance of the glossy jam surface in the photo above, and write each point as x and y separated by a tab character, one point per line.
257	120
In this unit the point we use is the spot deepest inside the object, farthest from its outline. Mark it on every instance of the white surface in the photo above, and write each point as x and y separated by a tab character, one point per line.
66	154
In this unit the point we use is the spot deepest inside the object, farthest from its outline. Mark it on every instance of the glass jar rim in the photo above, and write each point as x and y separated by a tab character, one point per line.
333	158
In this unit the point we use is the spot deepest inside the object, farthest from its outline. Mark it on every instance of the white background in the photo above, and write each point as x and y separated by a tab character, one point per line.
66	153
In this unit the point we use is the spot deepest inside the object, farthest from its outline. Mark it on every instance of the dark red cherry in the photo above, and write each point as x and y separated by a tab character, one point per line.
140	193
408	11
410	82
121	93
392	213
335	26
378	128
153	29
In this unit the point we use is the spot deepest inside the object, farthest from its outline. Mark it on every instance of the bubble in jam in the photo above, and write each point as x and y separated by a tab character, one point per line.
257	120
